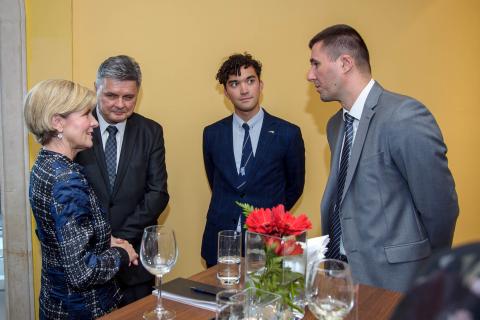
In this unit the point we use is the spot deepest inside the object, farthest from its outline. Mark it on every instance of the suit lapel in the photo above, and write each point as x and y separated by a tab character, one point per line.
99	153
337	133
367	115
228	167
232	166
129	139
340	128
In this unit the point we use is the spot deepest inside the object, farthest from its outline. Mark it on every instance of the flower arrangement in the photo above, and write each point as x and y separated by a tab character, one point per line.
282	237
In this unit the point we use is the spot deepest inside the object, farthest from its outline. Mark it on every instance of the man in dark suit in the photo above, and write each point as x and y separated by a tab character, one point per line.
126	166
250	156
390	199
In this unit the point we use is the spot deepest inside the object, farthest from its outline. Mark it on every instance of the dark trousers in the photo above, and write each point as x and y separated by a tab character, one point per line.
136	292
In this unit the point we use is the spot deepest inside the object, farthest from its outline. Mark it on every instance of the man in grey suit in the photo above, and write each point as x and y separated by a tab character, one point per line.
390	199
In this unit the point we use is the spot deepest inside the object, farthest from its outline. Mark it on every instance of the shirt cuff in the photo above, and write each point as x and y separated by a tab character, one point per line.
124	259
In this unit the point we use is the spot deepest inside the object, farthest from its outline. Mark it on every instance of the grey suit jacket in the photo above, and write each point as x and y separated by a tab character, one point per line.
399	202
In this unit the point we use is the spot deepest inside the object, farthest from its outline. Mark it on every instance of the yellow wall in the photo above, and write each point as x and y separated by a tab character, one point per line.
426	49
49	55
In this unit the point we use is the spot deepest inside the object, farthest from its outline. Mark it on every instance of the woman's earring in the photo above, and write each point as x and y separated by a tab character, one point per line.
60	135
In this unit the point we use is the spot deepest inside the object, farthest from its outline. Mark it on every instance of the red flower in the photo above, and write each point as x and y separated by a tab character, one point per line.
277	222
274	244
297	225
288	224
260	221
290	248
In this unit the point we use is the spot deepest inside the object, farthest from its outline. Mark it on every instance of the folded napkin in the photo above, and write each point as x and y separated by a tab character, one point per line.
316	248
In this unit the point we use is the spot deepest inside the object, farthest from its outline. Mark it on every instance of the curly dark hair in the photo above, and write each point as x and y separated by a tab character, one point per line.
233	65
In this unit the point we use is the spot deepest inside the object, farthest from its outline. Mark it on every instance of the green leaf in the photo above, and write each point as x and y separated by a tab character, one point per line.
281	280
290	276
246	208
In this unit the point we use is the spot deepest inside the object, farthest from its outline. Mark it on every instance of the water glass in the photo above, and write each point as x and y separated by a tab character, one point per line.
251	303
229	252
329	289
228	308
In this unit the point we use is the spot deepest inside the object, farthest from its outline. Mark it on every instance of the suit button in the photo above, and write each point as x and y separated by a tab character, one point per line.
242	195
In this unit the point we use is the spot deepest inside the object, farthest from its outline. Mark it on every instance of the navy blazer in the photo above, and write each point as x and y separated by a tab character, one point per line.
277	174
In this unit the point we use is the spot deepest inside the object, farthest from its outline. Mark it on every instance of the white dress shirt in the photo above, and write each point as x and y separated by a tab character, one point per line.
255	125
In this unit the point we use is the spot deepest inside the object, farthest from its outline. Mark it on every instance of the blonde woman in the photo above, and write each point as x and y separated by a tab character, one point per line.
79	257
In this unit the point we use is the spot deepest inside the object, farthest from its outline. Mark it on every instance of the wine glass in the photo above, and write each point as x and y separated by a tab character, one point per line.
329	289
158	254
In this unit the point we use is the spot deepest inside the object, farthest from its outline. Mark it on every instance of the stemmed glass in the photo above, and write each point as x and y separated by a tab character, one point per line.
158	254
329	289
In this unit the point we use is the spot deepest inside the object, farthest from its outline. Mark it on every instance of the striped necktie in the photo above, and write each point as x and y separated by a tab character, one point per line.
111	155
247	156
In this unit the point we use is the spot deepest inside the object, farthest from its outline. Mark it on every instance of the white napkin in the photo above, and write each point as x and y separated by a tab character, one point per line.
316	248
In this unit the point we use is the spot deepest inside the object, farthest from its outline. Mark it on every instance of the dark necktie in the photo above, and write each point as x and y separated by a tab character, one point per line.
335	229
247	156
111	155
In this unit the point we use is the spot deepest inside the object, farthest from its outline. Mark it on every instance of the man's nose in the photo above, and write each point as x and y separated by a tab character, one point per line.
120	103
310	75
243	88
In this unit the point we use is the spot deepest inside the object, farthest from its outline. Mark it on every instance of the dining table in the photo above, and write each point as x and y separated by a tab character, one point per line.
371	303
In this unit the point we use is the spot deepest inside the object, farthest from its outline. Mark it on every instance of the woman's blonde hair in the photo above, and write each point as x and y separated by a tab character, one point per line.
54	97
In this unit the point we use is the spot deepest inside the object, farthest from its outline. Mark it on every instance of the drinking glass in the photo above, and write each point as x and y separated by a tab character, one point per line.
329	289
158	254
251	303
226	306
229	252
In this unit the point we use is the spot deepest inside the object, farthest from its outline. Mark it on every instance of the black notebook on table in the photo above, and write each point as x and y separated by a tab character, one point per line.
180	290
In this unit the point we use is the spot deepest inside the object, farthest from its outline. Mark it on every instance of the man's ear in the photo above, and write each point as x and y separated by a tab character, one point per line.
261	85
346	62
226	93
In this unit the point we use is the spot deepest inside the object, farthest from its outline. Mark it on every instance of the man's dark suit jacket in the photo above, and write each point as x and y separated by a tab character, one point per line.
140	192
277	175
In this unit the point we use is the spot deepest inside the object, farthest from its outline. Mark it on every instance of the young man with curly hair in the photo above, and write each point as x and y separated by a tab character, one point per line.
250	156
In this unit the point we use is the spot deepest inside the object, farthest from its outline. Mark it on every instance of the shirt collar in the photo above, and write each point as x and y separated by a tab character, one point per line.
256	119
357	108
103	124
